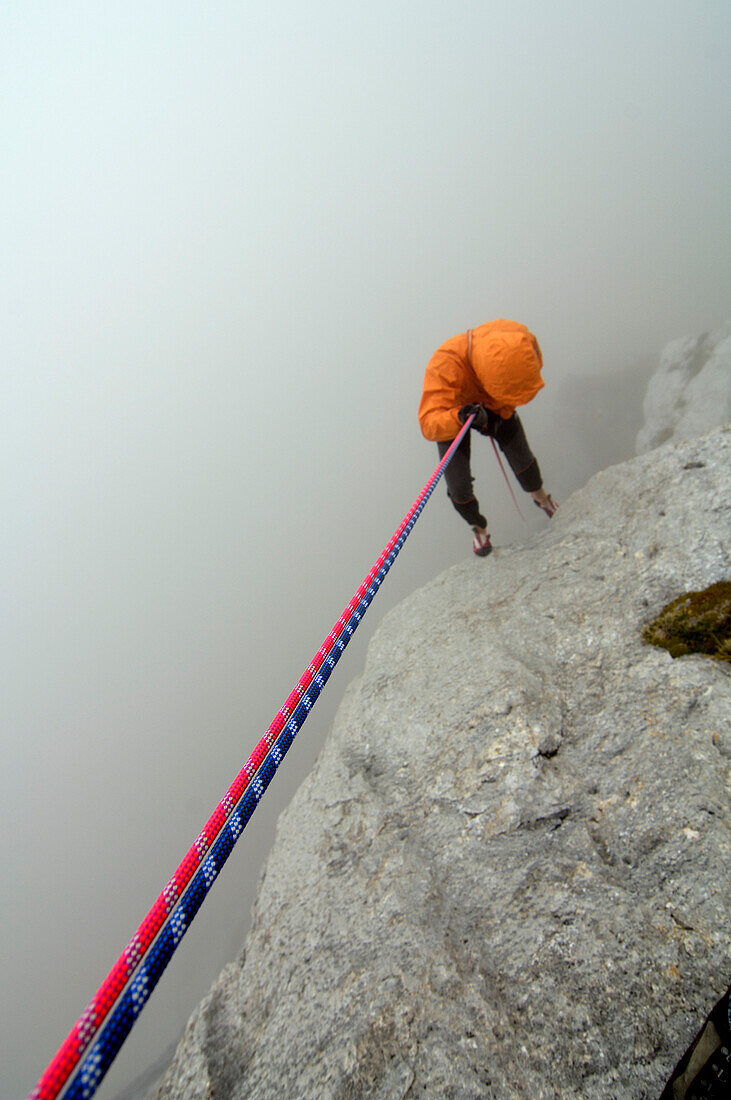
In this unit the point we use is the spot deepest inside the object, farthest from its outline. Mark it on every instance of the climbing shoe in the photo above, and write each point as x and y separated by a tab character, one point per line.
549	508
481	544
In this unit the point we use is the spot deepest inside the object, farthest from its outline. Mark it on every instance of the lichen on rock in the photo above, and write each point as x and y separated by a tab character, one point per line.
696	622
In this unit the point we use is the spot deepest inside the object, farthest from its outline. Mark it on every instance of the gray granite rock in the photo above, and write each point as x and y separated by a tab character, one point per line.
690	391
508	874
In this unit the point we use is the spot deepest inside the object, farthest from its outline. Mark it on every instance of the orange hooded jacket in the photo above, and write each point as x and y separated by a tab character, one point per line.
501	369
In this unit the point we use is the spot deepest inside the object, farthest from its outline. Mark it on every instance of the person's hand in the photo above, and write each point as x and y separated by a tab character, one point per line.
481	422
543	500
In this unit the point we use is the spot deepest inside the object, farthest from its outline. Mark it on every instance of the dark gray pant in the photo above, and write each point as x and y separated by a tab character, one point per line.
512	441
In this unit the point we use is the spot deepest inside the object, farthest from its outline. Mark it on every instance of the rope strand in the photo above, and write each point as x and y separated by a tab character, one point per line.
169	918
507	482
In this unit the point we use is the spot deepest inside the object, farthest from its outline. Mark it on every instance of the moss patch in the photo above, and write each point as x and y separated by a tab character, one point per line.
697	622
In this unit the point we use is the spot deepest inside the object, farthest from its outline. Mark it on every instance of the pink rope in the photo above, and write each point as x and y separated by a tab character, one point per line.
507	482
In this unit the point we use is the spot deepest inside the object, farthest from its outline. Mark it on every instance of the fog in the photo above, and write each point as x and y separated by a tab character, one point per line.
232	236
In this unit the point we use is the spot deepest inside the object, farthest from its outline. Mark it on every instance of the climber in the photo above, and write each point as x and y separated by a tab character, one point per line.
486	371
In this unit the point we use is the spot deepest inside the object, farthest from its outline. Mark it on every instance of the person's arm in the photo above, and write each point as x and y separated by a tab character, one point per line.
545	501
442	397
513	443
486	422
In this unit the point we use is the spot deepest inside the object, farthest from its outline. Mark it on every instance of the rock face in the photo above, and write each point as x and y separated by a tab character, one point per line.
508	874
690	391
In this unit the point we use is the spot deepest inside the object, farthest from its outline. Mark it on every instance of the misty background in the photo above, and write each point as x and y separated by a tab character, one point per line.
232	236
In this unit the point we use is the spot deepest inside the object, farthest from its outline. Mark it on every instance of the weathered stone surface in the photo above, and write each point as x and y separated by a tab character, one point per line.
508	874
690	391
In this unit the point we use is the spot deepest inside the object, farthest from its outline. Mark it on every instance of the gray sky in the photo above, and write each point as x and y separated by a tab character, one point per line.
232	236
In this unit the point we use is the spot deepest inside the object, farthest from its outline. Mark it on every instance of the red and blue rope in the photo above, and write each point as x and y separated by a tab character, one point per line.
143	960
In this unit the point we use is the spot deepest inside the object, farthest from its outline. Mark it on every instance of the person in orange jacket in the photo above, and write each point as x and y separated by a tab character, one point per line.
487	372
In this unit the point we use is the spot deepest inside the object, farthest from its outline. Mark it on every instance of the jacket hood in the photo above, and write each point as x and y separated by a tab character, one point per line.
507	361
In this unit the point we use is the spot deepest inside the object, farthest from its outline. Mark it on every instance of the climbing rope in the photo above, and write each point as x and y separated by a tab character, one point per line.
507	481
129	984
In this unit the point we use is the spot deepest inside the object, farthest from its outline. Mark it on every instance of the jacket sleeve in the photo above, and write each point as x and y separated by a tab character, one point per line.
442	397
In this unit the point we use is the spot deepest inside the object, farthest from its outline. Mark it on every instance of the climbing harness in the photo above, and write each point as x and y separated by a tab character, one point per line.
110	1015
